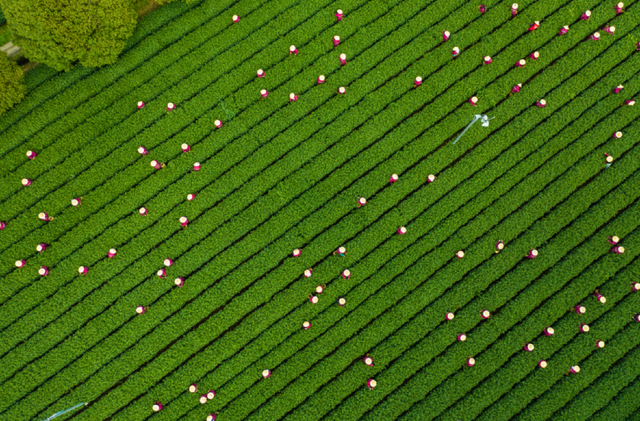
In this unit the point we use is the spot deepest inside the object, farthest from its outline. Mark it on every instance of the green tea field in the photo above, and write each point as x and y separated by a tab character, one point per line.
147	248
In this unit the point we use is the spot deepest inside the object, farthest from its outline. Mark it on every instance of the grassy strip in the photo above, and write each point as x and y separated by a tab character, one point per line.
607	387
574	353
326	368
620	406
553	311
502	380
533	386
620	346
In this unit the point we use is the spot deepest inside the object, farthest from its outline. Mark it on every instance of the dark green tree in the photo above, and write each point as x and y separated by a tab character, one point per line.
11	83
62	32
169	1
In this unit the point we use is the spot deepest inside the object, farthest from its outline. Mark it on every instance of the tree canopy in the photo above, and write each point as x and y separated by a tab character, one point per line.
11	83
62	32
169	1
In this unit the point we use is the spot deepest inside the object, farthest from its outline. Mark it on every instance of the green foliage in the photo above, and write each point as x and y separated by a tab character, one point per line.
12	87
280	176
61	33
170	1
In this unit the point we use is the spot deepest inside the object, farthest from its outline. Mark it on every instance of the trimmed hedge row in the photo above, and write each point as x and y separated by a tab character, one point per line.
552	312
620	406
593	366
607	387
516	369
474	283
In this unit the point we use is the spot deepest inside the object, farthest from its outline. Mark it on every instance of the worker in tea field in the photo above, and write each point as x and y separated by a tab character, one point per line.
340	251
608	162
